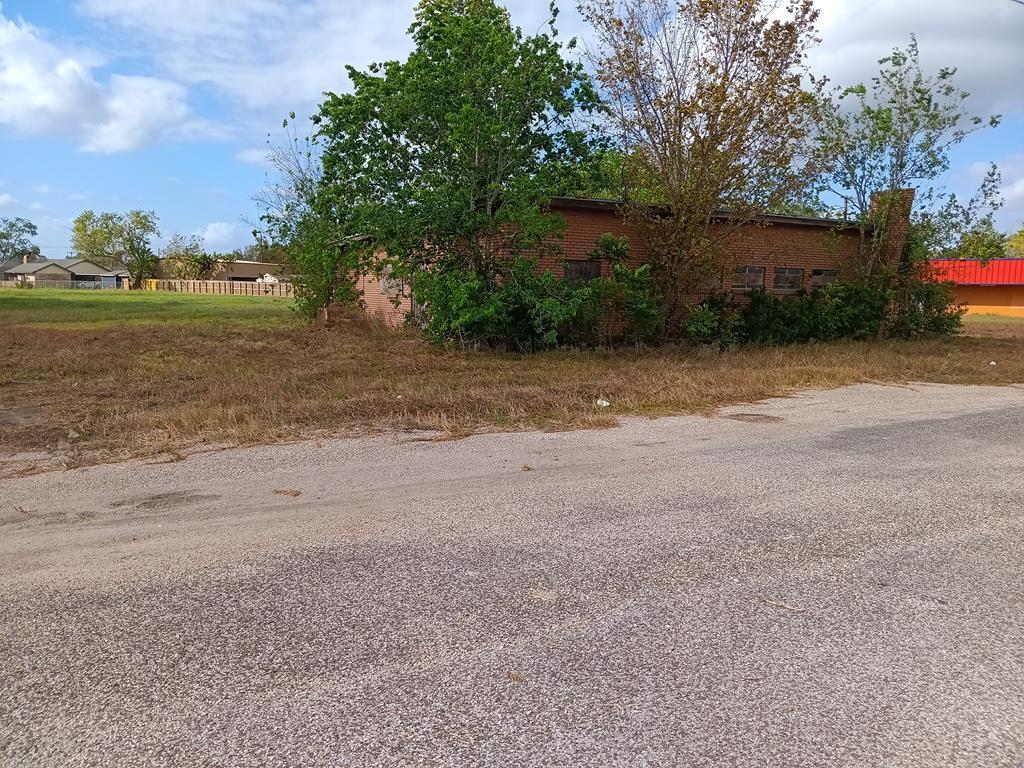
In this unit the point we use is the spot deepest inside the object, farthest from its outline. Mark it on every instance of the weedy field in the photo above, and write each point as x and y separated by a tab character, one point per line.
88	377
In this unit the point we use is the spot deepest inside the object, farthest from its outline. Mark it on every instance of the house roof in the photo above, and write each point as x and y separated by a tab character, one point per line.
597	204
34	266
973	272
65	264
79	266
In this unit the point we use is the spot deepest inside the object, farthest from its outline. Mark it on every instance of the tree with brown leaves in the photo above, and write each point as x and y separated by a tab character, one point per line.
710	101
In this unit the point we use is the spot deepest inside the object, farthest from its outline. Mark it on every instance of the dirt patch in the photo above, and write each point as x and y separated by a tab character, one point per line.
22	417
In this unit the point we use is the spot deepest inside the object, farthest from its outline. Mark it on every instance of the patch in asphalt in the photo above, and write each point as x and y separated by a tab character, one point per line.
754	418
164	501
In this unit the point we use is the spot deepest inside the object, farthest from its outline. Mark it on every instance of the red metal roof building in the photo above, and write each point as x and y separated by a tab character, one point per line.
995	287
969	272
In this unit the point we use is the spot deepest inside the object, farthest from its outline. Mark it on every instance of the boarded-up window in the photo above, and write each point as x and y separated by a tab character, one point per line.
391	287
823	277
788	280
748	278
578	271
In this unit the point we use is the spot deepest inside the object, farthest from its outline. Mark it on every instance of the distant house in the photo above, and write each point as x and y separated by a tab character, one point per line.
238	271
47	271
69	273
249	271
5	266
994	287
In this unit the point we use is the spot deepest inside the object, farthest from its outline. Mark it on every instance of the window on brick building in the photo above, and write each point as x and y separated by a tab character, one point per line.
578	271
823	277
748	278
788	280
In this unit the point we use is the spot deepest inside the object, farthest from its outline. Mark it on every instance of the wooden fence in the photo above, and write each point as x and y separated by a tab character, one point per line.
221	287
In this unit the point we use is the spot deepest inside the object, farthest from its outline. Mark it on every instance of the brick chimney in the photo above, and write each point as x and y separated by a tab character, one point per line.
891	213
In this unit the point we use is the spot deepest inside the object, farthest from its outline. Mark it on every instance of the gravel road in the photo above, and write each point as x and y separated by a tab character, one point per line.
834	579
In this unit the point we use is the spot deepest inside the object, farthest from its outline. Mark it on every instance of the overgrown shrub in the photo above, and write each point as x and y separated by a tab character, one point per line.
324	268
716	321
853	310
900	306
919	307
771	320
518	308
625	307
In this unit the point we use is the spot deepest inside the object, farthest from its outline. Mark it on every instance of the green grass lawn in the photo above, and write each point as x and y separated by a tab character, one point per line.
95	310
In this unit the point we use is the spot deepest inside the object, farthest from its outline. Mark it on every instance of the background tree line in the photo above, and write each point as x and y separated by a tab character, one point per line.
124	241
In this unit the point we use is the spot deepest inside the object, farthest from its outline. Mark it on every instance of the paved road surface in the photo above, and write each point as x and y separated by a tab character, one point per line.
831	580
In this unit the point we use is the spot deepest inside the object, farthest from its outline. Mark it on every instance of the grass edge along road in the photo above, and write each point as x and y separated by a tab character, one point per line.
89	377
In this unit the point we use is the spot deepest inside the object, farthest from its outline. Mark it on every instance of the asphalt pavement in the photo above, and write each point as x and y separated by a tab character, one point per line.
834	579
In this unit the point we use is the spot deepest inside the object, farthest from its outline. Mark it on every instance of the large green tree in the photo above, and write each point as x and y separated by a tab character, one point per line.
118	241
445	159
186	258
1015	245
16	241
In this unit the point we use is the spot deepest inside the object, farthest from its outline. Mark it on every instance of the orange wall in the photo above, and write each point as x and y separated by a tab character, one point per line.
992	299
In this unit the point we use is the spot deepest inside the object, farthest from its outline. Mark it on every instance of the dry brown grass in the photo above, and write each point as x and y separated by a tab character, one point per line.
156	381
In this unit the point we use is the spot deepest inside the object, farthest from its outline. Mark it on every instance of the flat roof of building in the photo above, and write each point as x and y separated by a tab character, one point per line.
600	204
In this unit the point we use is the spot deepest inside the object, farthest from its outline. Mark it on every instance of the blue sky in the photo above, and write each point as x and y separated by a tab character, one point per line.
167	104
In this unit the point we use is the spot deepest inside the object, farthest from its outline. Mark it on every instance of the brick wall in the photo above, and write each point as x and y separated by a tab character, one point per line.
779	243
895	213
380	295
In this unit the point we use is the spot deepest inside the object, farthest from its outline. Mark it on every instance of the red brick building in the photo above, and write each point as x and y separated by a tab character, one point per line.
781	254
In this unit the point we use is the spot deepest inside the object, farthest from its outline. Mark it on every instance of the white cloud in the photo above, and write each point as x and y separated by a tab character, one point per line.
253	156
142	110
263	54
982	39
220	234
6	199
267	57
47	90
272	56
37	207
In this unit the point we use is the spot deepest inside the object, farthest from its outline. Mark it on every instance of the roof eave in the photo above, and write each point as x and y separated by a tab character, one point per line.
599	204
